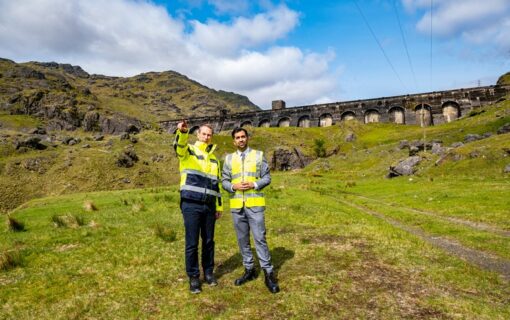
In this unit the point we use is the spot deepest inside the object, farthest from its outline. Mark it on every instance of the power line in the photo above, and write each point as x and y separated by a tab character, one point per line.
405	44
379	44
431	8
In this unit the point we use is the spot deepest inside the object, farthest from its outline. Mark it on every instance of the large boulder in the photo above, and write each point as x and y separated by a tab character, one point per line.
285	159
31	142
405	167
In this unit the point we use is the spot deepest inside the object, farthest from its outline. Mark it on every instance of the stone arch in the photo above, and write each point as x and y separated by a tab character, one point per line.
451	111
397	115
246	123
348	115
423	115
304	121
372	116
193	129
284	122
325	120
265	123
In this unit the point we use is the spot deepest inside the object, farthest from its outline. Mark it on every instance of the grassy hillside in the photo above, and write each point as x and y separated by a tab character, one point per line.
33	88
347	242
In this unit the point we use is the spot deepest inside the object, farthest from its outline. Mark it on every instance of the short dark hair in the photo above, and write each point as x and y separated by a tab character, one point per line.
239	129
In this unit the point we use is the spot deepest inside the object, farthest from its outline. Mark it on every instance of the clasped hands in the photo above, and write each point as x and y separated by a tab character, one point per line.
243	186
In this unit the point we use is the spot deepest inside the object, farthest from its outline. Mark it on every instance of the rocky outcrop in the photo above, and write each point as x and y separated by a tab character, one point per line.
288	159
127	158
405	167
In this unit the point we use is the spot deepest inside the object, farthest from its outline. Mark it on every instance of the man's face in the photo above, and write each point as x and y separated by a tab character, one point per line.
241	140
205	134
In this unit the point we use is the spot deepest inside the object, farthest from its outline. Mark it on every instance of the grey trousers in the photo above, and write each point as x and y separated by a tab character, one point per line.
247	219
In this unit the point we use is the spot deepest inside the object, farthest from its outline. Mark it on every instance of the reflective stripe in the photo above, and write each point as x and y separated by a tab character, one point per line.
247	195
246	174
201	190
199	173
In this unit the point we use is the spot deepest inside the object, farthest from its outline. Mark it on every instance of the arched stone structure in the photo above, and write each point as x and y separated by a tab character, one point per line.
265	123
326	120
451	111
372	116
246	124
397	115
348	115
284	122
304	122
441	106
423	115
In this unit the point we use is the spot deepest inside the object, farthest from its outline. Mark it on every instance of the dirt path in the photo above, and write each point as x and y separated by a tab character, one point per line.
481	259
475	225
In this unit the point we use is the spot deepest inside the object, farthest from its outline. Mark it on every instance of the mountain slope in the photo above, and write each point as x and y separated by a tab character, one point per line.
67	97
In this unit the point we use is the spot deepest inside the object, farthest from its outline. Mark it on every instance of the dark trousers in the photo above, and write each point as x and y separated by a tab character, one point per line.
199	220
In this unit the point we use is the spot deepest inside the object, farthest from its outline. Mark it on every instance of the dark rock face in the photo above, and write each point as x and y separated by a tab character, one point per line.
504	129
32	143
127	159
117	125
91	121
284	159
405	167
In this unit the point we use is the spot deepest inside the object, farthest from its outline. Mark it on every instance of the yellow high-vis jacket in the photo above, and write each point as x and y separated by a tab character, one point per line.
200	170
253	168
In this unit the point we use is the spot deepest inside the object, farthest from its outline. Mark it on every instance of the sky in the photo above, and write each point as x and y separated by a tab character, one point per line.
300	51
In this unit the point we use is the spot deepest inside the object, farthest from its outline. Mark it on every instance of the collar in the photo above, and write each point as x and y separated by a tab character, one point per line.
204	147
239	152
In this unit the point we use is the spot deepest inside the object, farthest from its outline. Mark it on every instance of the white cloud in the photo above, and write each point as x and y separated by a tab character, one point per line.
222	39
126	37
476	21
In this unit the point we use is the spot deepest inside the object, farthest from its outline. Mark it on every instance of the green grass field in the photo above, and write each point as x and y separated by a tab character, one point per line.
347	243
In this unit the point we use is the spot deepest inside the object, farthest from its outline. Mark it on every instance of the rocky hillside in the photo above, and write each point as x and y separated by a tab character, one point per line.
65	97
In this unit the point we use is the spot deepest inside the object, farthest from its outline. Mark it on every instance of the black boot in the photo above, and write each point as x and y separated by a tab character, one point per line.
271	282
211	279
194	285
249	274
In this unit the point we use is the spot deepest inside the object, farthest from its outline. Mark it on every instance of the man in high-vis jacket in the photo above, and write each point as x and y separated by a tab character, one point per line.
200	200
245	173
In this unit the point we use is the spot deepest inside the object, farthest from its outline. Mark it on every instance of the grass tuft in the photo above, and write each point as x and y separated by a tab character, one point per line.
165	233
15	225
89	206
137	207
68	220
10	260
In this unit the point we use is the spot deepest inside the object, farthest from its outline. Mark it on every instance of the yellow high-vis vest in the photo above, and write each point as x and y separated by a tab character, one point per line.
200	170
247	170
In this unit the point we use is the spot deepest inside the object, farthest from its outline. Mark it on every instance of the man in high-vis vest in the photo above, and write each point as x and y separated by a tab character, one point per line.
200	200
245	173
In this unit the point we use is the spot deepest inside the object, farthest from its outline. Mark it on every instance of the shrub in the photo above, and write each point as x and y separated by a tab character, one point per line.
319	148
165	233
15	225
10	260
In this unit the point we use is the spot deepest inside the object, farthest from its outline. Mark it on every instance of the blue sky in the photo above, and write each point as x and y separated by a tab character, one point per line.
300	51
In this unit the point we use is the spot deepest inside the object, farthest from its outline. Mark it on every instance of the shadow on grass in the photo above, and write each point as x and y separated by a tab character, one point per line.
229	265
279	256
